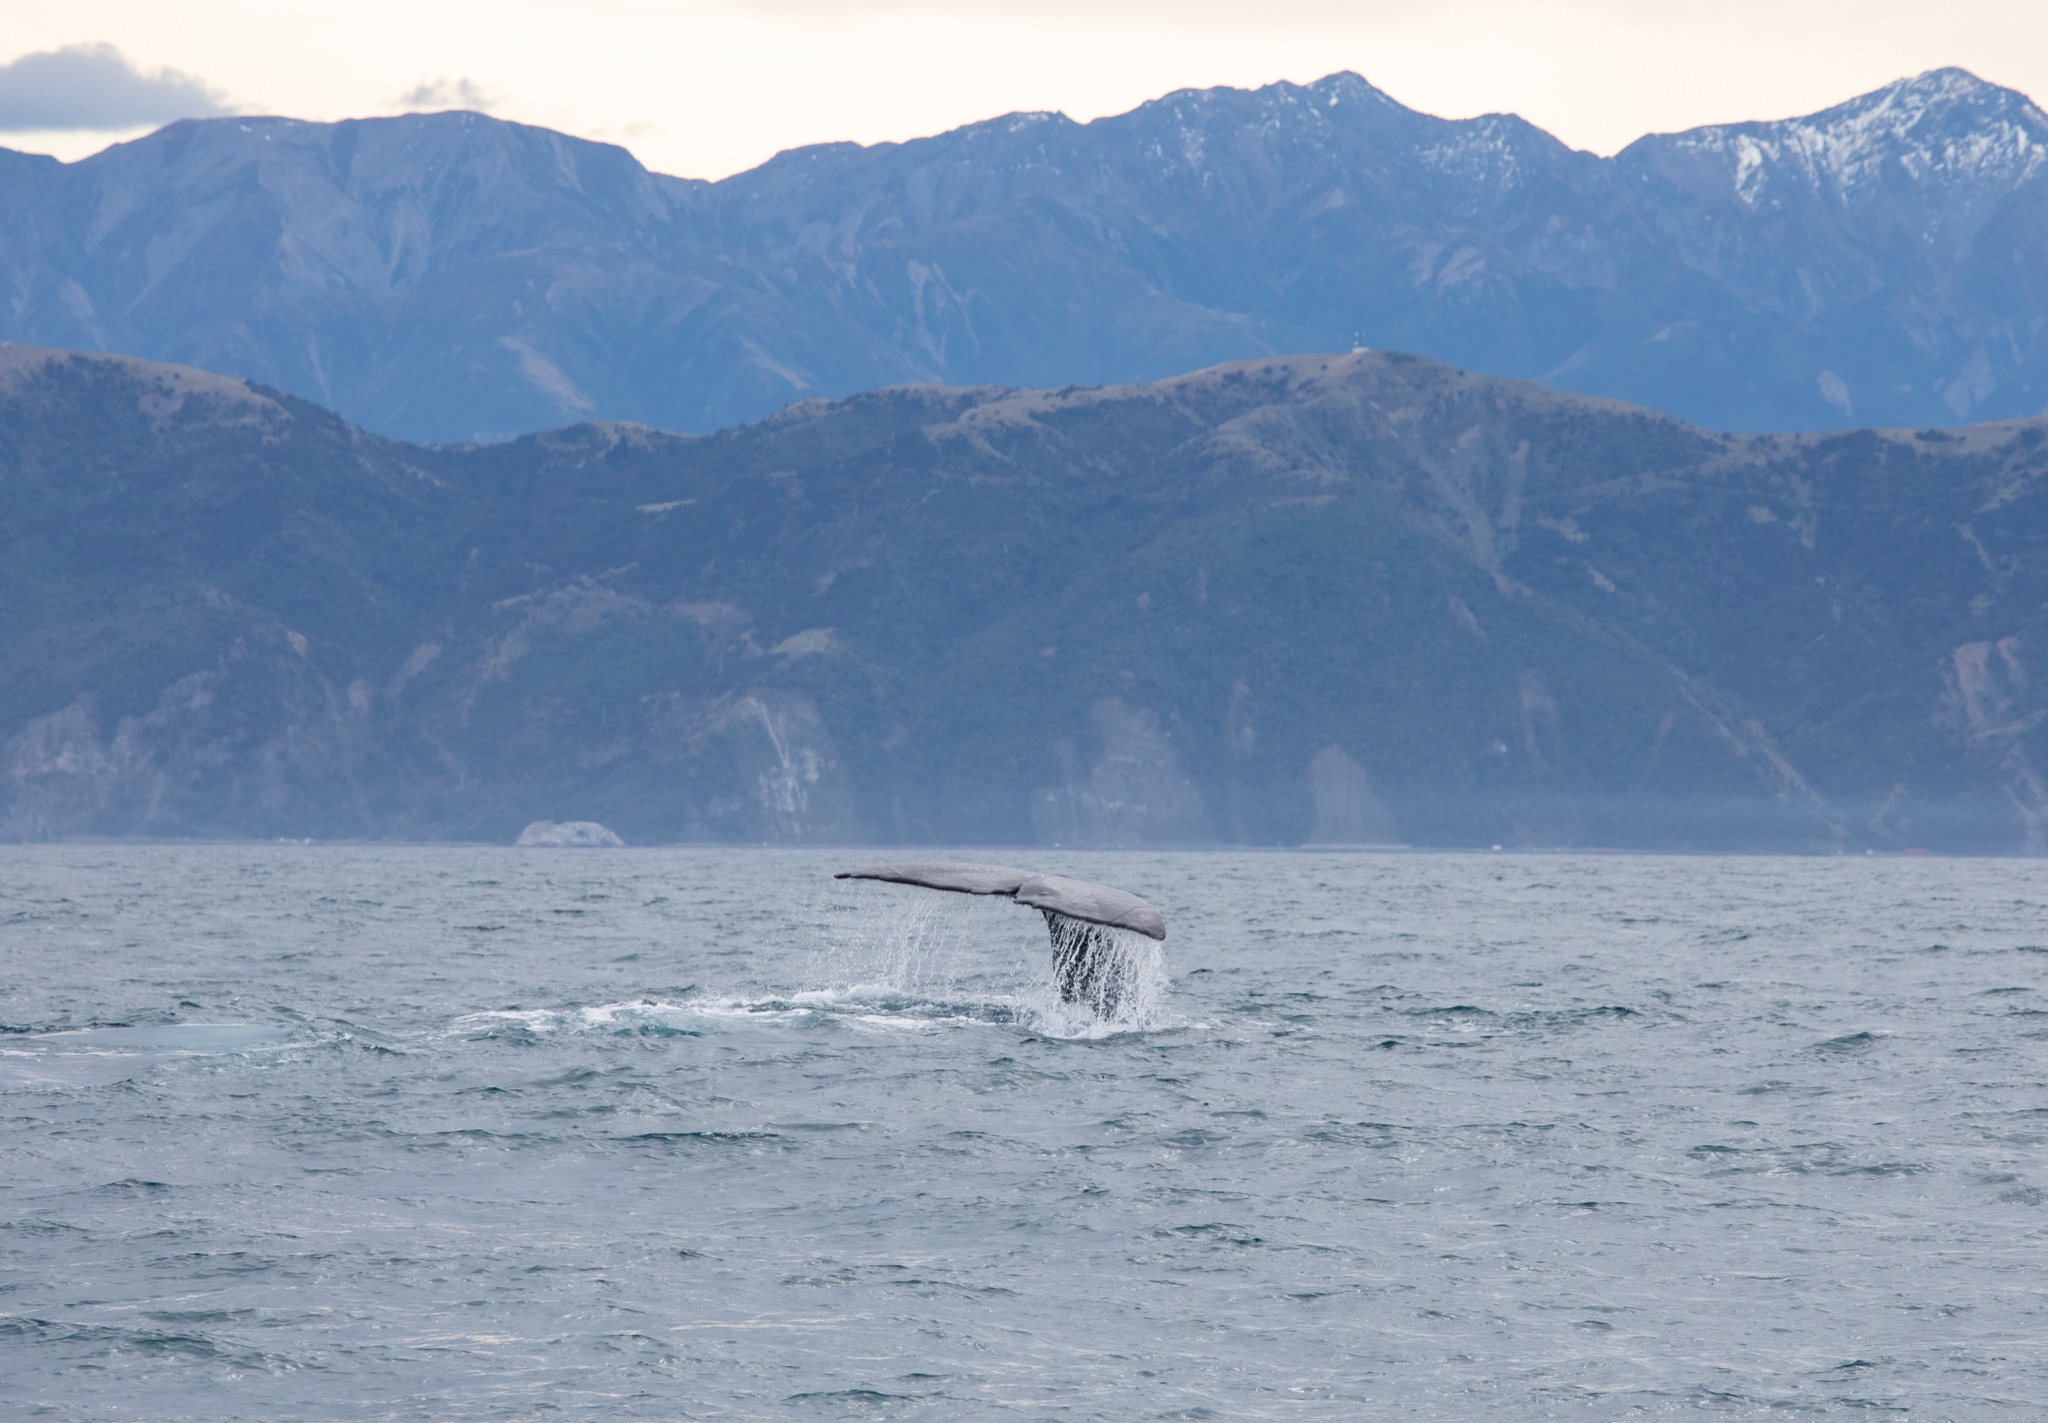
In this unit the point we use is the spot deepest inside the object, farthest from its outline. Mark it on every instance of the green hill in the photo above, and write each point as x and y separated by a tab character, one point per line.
1356	598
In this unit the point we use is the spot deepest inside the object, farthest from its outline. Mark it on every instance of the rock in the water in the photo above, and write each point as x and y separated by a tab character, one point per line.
569	835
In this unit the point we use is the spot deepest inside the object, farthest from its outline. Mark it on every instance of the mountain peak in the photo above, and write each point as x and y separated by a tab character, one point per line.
1941	130
1339	91
1944	97
1949	83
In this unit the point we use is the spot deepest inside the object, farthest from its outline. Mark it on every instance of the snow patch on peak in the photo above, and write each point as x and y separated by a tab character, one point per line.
1749	167
1301	103
1945	127
1493	148
1347	86
1949	83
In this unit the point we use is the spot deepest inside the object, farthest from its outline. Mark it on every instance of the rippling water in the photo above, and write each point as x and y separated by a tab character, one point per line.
487	1134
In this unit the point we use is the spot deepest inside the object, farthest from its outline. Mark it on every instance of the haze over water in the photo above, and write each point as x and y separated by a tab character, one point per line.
484	1134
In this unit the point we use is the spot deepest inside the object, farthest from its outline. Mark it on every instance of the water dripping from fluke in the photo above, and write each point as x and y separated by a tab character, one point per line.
1095	965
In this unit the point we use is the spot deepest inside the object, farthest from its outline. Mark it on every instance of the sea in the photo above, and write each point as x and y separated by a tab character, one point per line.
329	1132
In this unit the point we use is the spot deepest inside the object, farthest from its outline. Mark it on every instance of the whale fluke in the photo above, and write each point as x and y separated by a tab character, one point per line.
960	879
1075	898
1077	915
1093	904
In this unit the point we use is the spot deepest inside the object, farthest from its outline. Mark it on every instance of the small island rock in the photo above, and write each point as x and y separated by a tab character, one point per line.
568	835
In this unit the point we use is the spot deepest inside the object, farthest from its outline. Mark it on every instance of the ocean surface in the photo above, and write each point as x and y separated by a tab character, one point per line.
366	1133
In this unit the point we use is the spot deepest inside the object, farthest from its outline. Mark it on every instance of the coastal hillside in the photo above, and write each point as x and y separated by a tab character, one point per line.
1358	598
452	276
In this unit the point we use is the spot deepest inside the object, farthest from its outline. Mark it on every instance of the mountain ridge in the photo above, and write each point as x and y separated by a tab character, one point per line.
453	276
1355	597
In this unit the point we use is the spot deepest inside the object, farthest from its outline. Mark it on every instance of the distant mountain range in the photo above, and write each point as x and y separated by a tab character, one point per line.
449	276
1356	598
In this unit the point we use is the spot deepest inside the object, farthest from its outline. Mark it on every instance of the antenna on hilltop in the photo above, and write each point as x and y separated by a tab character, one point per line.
1358	346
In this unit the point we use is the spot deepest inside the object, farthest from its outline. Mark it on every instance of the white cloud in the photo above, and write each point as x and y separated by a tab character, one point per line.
436	94
92	87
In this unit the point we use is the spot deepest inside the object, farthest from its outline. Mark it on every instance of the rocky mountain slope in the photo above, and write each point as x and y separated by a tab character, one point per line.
447	276
1353	598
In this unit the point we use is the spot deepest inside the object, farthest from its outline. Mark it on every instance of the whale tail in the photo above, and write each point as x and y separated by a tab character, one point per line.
1089	966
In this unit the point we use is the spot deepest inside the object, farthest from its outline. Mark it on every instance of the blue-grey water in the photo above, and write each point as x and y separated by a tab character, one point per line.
329	1133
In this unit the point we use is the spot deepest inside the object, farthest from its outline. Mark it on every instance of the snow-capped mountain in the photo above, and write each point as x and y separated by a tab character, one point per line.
1896	240
1946	135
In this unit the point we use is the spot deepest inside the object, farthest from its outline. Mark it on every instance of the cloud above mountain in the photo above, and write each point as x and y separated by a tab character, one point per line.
436	94
94	87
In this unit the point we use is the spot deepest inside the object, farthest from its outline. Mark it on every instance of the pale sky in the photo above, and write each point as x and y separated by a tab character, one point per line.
704	88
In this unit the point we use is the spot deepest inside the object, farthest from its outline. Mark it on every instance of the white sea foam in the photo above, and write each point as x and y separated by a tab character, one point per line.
894	959
958	957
